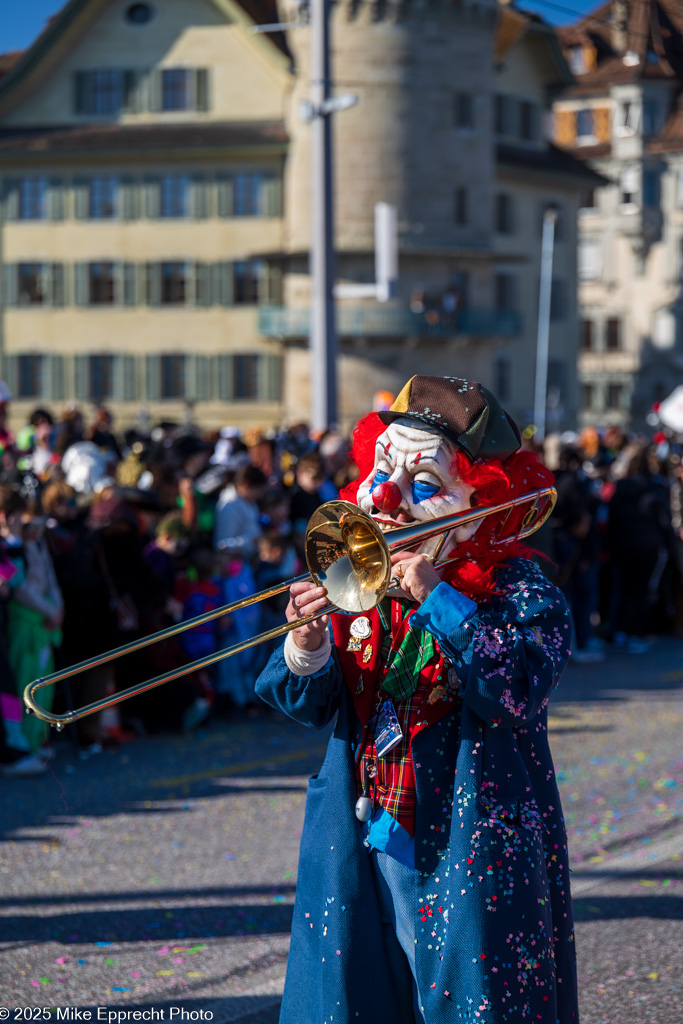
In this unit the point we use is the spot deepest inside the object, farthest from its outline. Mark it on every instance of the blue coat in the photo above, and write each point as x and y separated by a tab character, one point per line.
495	937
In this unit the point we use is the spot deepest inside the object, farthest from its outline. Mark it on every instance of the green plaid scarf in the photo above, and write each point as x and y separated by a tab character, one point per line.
406	655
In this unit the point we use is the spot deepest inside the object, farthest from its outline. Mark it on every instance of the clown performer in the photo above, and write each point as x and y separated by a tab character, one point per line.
433	879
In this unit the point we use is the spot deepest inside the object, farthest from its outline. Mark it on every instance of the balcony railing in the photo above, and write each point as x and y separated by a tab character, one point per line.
388	321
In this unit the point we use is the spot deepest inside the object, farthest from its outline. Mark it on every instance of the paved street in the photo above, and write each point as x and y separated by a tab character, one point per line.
162	874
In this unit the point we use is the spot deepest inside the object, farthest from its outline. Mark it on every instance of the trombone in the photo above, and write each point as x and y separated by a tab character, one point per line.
346	552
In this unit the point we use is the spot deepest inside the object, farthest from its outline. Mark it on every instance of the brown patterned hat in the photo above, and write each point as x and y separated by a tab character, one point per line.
465	411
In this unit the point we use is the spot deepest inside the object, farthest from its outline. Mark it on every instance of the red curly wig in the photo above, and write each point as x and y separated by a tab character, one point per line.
494	481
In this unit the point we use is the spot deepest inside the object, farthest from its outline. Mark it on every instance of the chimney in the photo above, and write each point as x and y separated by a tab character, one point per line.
619	21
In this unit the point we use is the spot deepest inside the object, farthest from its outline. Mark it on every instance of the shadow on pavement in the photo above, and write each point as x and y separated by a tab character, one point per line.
605	908
137	895
240	1009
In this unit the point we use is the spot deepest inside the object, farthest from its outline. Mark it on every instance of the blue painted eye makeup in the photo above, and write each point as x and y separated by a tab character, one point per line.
378	478
422	491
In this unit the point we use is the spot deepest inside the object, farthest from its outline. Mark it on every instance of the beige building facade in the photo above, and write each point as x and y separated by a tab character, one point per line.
155	207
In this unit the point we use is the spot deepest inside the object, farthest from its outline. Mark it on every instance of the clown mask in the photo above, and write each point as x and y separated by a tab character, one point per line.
412	481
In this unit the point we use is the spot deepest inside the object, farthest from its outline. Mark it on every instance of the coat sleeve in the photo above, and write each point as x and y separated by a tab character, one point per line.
310	700
509	655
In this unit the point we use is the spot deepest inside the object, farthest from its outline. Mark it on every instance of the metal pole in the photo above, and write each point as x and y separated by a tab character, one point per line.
323	333
543	336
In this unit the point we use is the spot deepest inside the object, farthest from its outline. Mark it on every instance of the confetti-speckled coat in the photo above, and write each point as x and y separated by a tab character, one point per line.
495	937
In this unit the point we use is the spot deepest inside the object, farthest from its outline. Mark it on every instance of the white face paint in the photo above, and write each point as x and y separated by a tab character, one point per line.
418	460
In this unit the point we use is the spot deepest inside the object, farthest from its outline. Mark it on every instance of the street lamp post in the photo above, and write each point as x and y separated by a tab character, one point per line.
543	334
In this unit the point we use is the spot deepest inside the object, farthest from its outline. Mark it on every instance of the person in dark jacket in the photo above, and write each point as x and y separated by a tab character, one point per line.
433	878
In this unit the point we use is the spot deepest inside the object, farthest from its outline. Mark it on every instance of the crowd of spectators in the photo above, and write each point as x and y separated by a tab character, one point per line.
107	536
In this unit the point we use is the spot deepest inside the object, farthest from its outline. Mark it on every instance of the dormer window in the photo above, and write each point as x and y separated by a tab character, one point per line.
577	60
584	125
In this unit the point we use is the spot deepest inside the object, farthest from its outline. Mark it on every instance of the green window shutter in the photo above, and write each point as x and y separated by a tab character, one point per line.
10	373
128	192
226	386
10	199
270	285
129	284
202	284
55	200
152	197
201	89
271	378
10	296
225	291
198	378
226	196
81	289
53	378
153	284
81	198
81	82
57	285
125	383
81	378
271	197
200	197
153	378
131	97
153	90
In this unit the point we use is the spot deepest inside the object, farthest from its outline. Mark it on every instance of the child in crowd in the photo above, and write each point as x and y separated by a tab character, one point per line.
161	554
235	675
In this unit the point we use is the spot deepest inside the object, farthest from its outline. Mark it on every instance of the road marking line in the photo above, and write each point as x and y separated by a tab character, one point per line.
629	864
234	769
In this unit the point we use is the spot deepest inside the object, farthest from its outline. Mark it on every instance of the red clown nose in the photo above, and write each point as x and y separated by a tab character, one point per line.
386	496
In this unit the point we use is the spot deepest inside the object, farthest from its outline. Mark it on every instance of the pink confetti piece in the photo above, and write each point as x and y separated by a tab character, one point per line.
178	960
61	960
36	984
135	974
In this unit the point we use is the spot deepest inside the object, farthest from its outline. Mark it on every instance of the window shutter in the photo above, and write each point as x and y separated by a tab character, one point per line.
200	197
273	286
201	89
10	291
271	378
10	373
128	192
154	90
131	99
153	284
57	291
10	199
226	196
124	383
81	284
153	378
81	82
53	378
129	284
202	284
152	197
81	378
225	378
198	378
55	199
226	284
271	197
81	198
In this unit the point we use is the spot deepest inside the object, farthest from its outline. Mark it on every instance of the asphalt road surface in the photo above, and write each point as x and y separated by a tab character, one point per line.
161	875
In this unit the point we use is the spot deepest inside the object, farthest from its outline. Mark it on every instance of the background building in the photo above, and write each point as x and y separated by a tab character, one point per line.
155	206
624	117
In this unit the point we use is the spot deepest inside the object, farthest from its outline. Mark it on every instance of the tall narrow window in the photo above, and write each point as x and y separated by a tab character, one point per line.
175	89
503	379
173	283
33	198
101	287
504	289
613	337
246	376
590	259
246	290
587	335
587	200
528	120
101	373
102	191
460	206
173	376
584	124
31	284
504	214
248	188
30	376
174	195
615	396
588	397
463	110
104	92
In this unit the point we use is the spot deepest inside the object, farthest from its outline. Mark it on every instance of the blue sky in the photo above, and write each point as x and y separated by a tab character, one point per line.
22	20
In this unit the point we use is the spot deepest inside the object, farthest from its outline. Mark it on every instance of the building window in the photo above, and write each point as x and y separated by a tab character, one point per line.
101	284
31	288
588	397
651	192
588	200
528	120
104	92
174	195
30	376
504	214
460	206
590	259
173	376
246	282
584	124
175	89
102	192
101	377
173	283
33	198
504	292
503	379
139	14
577	60
587	335
558	303
613	336
630	185
463	110
247	194
246	376
615	396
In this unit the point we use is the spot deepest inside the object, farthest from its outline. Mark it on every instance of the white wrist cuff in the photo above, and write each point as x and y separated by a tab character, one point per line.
307	663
